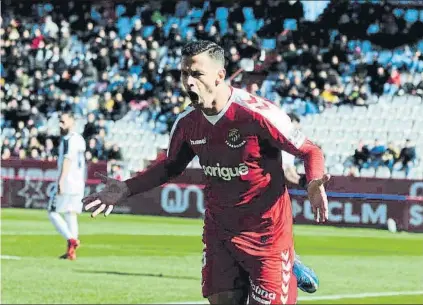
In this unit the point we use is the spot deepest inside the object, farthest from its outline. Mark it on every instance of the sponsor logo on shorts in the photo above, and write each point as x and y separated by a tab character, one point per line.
261	295
226	173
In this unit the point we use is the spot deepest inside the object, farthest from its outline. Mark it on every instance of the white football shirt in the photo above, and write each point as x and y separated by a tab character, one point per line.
287	160
72	146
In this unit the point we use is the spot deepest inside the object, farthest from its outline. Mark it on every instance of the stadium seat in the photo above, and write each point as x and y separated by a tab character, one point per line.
336	170
222	13
248	13
249	28
95	15
135	69
331	160
196	13
290	24
260	23
366	46
268	44
373	29
384	57
398	12
185	22
367	172
124	26
168	25
411	15
224	26
120	10
383	172
415	173
398	174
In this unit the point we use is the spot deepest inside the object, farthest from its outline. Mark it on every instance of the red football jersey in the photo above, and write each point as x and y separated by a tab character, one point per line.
240	154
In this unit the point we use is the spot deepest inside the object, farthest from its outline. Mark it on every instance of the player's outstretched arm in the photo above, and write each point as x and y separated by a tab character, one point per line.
277	127
114	192
314	165
178	157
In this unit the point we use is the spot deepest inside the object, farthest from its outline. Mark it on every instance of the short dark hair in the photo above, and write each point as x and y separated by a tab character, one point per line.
68	112
215	51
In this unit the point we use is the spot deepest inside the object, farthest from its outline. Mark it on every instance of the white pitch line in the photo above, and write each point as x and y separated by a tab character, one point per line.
359	295
16	258
338	296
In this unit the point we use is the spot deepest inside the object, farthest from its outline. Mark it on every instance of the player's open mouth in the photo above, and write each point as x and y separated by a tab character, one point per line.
193	97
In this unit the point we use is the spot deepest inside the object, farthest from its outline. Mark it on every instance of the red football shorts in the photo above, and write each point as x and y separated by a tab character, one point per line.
267	276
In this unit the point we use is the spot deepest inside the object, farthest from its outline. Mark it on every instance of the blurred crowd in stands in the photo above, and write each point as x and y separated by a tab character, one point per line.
384	155
104	60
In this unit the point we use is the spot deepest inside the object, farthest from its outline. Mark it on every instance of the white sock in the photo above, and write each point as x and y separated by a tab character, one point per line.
72	221
60	224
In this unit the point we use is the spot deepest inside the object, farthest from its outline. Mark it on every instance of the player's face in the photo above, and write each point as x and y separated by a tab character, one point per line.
201	76
65	124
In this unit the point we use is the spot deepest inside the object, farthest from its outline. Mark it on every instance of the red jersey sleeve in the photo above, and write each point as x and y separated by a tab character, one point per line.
179	155
276	126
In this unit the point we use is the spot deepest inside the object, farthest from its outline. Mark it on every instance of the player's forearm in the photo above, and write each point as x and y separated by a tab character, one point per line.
65	169
314	162
158	174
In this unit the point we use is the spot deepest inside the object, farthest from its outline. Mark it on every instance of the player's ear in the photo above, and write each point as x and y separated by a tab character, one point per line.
221	76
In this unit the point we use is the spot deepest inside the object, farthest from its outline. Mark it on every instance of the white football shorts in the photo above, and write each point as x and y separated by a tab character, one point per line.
65	203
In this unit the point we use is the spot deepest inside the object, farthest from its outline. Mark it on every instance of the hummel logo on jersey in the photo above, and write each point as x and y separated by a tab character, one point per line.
198	142
226	173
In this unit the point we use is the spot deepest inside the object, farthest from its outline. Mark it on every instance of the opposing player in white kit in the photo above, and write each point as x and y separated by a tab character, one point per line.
69	189
288	164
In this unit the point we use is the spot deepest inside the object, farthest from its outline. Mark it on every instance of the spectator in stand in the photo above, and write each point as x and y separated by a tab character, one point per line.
390	156
393	83
49	151
408	87
90	128
376	153
6	153
361	155
115	154
358	97
329	95
378	80
407	156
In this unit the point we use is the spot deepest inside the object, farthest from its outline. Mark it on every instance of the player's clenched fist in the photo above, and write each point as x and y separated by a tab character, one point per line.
113	193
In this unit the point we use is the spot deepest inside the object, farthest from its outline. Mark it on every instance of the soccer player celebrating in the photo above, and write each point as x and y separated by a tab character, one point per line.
248	235
69	190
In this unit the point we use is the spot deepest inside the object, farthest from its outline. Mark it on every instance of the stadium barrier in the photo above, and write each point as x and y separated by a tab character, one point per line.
353	202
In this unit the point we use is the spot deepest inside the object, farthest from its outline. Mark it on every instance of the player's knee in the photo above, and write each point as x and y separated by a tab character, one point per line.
238	297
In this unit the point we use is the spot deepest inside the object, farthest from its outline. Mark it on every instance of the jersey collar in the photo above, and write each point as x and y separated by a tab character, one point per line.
213	119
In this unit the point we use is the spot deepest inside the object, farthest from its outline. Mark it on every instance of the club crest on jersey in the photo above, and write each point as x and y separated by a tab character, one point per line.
234	139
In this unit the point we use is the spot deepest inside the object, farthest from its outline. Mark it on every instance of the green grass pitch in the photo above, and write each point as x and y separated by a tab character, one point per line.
142	260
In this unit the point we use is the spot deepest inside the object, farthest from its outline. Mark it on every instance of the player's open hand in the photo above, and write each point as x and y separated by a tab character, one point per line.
113	193
318	198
